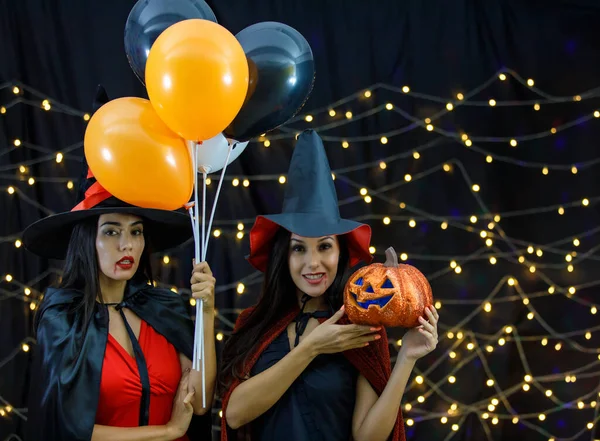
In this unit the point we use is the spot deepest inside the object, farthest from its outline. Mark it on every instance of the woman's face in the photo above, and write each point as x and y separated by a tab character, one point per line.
313	263
119	245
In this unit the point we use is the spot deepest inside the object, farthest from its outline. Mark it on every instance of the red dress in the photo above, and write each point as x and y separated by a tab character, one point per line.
121	388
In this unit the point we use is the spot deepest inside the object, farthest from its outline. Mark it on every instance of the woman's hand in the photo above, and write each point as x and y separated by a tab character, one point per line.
423	339
330	338
182	412
203	286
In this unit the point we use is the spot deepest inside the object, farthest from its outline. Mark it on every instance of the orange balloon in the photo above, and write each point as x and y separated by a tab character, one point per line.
136	157
197	78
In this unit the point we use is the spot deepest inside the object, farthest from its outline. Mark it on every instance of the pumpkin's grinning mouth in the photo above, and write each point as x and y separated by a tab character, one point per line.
381	301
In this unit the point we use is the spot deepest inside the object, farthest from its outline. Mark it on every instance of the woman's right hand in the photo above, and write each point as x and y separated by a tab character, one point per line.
330	338
182	412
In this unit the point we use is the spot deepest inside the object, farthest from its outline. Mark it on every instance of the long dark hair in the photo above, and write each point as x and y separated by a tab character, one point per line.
278	295
81	269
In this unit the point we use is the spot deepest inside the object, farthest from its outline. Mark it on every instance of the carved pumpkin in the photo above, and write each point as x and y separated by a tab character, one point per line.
388	294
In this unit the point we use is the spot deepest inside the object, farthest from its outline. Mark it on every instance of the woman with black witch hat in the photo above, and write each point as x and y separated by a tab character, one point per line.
113	352
294	369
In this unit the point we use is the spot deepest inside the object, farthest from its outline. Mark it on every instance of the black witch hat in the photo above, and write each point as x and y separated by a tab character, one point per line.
49	237
310	207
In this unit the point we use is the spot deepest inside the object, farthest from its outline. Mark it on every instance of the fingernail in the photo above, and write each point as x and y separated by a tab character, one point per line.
342	308
367	344
374	329
377	337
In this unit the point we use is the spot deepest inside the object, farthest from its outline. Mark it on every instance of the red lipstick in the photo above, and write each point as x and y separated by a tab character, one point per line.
126	263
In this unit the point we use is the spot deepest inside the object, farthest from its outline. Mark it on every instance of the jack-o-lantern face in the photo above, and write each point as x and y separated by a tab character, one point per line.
387	294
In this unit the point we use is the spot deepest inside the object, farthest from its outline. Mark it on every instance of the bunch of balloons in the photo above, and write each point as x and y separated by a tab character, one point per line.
208	89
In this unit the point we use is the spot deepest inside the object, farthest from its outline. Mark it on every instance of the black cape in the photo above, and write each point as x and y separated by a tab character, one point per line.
67	362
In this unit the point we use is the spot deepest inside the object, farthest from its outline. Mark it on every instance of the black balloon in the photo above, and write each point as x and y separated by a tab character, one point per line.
149	18
282	72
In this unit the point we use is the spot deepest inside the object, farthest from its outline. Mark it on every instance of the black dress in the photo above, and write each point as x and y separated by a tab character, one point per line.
318	406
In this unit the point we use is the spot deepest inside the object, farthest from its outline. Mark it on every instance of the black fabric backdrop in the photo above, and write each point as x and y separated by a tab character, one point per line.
65	48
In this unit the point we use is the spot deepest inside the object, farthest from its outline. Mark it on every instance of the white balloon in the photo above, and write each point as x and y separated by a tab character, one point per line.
211	154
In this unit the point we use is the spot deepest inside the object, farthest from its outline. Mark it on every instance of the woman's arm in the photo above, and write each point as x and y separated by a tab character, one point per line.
210	365
146	433
374	417
177	426
258	394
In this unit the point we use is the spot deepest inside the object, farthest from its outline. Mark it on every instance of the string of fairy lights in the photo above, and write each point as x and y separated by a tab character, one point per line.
461	345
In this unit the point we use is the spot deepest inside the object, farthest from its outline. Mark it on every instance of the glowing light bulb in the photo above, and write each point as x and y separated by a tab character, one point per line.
489	159
476	188
332	113
493	260
405	89
217	233
536	106
368	199
412	223
572	290
349	115
585	202
383	140
574	170
468	143
70	185
345	144
492	102
513	142
235	182
166	260
460	96
530	82
267	143
382	165
386	220
407	177
487	307
240	288
429	127
372	250
449	107
451	379
282	179
239	235
219	336
444	225
502	77
308	118
367	94
389	106
419	379
416	155
447	167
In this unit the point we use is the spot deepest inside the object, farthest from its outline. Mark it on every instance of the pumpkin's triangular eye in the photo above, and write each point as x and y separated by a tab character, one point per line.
359	281
369	289
387	284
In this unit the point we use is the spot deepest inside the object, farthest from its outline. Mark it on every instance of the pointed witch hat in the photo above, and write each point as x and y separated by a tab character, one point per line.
49	237
310	207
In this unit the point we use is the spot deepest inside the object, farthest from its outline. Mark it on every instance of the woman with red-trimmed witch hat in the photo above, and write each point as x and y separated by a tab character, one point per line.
112	360
295	368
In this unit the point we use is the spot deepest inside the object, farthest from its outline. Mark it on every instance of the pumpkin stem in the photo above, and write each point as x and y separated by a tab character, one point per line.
391	260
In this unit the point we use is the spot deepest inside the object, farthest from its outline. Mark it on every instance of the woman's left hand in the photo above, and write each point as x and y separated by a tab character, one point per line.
203	286
423	339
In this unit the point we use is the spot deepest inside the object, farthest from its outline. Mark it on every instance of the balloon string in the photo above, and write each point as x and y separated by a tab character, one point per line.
214	207
196	244
200	311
